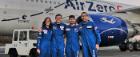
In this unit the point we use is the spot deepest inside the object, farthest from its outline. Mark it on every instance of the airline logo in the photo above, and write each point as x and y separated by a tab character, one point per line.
93	6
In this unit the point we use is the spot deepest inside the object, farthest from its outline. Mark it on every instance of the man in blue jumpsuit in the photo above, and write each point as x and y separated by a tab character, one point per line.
90	36
58	39
72	44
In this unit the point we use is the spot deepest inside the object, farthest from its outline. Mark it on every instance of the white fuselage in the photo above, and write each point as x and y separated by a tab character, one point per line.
31	13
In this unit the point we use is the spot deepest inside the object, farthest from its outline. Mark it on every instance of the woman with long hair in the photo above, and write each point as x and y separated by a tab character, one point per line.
44	40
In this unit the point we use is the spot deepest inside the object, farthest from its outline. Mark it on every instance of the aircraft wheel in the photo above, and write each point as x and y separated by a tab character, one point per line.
137	46
123	47
130	46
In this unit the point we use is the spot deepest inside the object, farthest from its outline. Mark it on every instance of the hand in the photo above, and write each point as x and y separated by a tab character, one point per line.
97	46
38	51
39	29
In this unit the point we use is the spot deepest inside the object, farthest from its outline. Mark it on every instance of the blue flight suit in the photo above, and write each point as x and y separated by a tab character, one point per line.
72	44
58	40
44	42
89	38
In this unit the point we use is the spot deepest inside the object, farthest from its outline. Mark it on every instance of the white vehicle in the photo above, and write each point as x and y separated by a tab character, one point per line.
23	43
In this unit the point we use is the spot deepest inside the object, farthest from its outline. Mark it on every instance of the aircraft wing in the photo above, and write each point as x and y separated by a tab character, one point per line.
133	9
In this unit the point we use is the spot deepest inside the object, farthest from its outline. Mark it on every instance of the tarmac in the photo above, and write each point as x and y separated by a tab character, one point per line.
112	51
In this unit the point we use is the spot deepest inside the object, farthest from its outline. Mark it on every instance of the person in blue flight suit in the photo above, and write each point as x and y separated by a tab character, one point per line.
58	37
72	42
90	36
44	39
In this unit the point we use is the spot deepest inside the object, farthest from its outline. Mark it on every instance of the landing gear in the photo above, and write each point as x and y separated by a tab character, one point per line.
123	47
131	46
137	46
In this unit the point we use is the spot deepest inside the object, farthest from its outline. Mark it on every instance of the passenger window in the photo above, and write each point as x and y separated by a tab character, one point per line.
46	1
50	2
23	36
27	0
32	0
54	2
36	0
16	36
41	1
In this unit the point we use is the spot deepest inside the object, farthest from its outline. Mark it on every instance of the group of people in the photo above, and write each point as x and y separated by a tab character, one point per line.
51	37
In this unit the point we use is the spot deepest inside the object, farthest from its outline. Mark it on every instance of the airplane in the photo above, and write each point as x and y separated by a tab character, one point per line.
29	14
